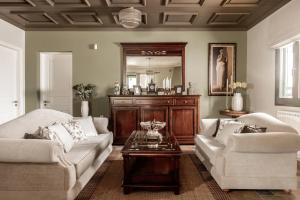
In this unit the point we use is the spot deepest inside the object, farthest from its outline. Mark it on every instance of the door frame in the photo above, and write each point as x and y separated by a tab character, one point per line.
39	72
20	76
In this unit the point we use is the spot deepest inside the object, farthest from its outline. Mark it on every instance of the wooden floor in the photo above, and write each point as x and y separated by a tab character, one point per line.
236	194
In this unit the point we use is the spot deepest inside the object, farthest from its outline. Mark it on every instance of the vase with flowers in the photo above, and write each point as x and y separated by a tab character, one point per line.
84	92
237	102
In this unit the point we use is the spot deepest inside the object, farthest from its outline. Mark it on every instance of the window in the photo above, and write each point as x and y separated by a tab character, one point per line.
132	80
287	75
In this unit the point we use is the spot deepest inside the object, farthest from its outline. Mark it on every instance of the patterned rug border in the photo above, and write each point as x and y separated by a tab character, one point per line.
215	190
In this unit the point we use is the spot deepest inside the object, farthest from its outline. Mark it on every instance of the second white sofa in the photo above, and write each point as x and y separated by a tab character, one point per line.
254	160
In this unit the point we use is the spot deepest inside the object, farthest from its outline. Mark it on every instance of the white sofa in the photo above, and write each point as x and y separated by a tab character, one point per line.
39	169
253	160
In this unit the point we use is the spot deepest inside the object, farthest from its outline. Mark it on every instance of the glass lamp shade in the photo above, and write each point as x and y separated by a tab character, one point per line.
130	17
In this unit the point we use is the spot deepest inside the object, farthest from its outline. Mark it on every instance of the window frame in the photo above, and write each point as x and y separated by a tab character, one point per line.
295	100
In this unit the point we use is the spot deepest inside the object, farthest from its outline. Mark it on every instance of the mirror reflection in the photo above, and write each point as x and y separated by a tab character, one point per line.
163	71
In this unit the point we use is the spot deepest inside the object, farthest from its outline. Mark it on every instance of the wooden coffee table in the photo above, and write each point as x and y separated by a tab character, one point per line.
149	165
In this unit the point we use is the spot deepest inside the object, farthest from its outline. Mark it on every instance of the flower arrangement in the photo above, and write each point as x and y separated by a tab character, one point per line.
238	86
84	92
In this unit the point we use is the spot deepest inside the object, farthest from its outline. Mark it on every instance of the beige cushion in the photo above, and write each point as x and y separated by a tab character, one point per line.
210	146
30	122
87	126
59	133
30	151
226	129
84	153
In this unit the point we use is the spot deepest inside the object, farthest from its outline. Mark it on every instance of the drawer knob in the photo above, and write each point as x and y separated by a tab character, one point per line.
185	101
168	101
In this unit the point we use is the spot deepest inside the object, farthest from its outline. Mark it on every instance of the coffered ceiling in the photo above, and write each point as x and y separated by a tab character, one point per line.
157	14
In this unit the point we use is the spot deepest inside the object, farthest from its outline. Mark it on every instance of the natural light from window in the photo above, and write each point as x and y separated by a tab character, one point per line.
286	71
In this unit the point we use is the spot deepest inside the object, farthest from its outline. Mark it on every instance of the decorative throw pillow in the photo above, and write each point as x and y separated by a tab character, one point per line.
221	121
58	133
87	126
75	130
253	129
34	136
226	129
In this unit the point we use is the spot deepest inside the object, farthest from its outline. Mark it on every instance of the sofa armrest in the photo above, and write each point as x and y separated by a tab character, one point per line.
30	151
101	124
208	126
271	142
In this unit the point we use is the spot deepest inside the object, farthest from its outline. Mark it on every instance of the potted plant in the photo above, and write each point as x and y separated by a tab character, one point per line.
237	99
84	92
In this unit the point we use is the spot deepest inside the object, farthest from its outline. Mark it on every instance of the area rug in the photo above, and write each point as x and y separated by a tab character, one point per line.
196	184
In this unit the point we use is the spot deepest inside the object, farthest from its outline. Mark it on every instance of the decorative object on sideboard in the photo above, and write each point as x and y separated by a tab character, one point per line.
130	17
222	67
137	90
84	92
167	85
237	99
151	87
125	90
178	89
116	88
190	89
153	128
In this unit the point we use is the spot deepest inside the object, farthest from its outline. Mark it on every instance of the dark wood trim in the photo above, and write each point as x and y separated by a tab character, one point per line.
234	75
135	49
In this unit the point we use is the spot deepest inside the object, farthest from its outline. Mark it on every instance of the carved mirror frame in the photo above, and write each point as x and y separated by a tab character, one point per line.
153	49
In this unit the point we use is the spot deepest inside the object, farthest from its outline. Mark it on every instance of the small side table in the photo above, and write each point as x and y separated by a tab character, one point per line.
233	114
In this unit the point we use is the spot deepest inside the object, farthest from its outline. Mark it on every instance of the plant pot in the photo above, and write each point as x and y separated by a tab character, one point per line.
237	102
84	108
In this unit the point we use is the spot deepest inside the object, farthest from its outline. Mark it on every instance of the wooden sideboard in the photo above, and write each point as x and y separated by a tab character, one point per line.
180	112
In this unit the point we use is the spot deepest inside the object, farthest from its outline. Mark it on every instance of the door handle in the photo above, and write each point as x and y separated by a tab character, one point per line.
46	102
15	103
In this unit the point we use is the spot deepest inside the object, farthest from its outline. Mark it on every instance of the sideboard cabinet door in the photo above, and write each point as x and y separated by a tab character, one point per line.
158	113
126	120
183	123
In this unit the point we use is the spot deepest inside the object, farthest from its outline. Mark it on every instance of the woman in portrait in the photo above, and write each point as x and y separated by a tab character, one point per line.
221	69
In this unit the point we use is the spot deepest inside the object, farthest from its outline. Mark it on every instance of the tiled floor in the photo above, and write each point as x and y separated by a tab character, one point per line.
236	194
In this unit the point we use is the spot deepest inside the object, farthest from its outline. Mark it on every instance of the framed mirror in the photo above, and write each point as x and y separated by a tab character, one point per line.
153	66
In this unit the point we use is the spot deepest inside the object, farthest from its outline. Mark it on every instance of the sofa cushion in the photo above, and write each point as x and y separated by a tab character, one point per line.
87	125
226	129
30	122
84	153
210	146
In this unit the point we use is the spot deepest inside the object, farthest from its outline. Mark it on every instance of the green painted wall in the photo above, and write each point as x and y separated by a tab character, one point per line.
102	67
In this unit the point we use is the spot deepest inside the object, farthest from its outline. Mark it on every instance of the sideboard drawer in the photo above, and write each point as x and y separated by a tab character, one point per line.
122	101
154	101
188	102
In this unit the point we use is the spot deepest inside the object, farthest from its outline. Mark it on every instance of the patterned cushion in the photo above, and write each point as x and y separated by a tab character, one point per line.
75	130
226	129
59	134
253	129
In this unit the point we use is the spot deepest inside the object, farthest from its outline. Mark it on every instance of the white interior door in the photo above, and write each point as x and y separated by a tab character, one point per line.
10	98
56	81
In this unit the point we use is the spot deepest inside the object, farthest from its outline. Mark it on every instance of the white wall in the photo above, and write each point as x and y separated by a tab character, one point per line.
12	35
277	28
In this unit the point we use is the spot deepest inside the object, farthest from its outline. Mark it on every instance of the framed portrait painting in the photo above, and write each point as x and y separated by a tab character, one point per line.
221	68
